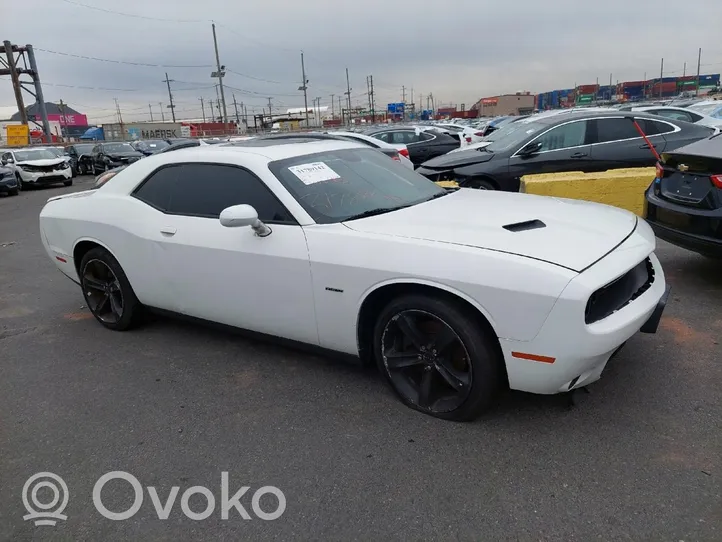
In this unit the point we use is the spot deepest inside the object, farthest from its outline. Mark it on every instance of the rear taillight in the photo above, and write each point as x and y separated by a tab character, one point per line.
479	134
468	139
396	157
716	180
404	153
660	171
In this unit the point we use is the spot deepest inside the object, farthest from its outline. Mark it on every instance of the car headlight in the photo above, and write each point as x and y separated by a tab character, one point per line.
64	165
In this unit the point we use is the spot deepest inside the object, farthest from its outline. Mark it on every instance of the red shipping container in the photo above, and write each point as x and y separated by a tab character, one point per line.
626	84
587	89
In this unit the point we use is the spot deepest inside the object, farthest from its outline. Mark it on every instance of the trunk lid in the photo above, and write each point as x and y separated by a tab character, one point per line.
686	175
570	233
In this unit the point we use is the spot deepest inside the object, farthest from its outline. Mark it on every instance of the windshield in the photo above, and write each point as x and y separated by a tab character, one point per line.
513	135
35	154
152	146
707	109
118	147
83	148
56	151
337	185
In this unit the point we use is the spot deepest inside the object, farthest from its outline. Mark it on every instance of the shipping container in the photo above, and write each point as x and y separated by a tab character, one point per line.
142	130
587	89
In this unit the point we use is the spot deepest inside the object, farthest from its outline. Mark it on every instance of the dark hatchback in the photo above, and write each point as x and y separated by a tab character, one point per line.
579	141
423	143
106	156
684	203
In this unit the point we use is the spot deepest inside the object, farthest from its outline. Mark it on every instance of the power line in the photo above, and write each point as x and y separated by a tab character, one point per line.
164	19
128	62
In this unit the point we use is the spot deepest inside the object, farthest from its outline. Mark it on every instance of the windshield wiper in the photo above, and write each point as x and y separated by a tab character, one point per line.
374	212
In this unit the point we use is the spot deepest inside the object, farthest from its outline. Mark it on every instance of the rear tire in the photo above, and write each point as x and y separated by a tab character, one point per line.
14	192
107	291
450	369
69	182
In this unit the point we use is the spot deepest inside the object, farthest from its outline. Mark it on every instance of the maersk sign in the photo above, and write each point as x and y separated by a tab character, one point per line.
142	130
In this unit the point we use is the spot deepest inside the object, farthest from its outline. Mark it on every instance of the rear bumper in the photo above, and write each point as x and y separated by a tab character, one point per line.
569	353
698	230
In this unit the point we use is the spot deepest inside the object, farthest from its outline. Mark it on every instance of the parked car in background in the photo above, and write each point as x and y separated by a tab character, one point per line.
36	166
580	141
150	146
684	203
107	156
80	157
681	113
467	134
9	183
711	108
452	294
60	153
422	142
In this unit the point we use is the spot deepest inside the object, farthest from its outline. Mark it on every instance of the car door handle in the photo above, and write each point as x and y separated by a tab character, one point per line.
579	155
645	146
168	231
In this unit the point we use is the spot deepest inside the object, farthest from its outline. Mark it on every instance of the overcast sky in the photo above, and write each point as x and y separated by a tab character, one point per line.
459	50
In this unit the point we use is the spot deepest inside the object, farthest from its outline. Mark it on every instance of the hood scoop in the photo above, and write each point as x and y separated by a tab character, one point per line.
526	225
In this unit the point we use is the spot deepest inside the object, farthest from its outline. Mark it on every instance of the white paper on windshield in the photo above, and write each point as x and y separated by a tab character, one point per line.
315	172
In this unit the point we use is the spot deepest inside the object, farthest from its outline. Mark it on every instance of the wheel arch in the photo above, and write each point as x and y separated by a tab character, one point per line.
376	298
83	246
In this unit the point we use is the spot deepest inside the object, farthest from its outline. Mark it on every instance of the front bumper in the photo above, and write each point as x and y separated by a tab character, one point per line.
567	353
8	183
46	177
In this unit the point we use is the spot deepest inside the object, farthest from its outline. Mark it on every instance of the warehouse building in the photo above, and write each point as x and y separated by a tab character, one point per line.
521	103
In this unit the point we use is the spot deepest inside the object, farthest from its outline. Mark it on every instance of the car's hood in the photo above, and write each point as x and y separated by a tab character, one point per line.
458	159
43	162
473	146
575	234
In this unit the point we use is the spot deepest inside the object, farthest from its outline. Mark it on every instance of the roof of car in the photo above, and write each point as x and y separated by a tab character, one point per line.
270	149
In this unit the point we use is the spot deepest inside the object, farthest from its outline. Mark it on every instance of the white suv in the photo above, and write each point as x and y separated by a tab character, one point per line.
37	166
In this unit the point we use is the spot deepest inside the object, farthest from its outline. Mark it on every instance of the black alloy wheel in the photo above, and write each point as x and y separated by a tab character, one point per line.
107	291
102	292
437	357
426	361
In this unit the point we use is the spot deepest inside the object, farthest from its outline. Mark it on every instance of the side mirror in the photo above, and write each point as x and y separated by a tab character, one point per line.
239	216
531	148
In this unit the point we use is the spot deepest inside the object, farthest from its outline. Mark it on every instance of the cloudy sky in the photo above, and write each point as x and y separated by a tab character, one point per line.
459	50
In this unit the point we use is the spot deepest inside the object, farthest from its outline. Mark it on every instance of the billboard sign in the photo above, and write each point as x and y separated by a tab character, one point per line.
395	108
17	134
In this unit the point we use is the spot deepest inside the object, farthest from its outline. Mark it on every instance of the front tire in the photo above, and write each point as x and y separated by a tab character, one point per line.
479	184
69	182
107	291
19	181
438	357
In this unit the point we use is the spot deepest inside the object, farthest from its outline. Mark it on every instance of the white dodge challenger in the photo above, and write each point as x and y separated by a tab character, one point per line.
454	294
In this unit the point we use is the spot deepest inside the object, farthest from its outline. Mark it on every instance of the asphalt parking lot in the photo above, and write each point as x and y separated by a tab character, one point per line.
640	458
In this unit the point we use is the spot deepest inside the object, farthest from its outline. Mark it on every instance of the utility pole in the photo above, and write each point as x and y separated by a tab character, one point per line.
219	74
348	95
373	102
270	110
684	70
162	115
235	106
170	96
340	108
150	110
333	112
699	63
64	117
14	76
403	100
203	109
120	118
304	88
661	76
